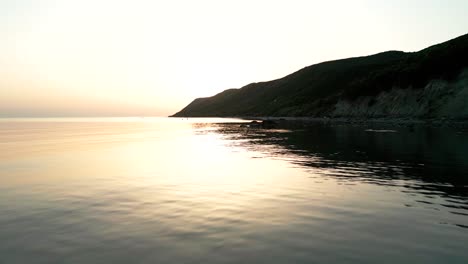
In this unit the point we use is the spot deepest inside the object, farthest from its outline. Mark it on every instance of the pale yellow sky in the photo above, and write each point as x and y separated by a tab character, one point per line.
121	58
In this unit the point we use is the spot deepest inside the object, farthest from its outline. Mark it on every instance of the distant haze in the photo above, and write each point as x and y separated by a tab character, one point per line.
142	58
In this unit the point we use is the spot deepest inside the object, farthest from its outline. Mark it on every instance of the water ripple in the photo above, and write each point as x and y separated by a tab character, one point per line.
211	192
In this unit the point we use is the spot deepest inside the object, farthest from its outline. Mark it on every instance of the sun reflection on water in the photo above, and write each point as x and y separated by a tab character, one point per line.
198	190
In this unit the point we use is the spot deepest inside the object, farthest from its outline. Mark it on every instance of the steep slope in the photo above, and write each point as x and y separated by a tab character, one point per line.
335	88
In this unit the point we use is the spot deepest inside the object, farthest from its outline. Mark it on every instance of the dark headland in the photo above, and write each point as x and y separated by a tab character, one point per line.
431	84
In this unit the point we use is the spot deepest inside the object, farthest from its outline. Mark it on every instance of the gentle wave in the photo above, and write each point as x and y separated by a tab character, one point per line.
213	191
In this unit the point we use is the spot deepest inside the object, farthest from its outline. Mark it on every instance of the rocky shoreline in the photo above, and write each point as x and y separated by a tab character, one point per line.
368	122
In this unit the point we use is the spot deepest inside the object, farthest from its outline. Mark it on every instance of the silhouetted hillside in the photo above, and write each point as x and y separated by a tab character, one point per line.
428	83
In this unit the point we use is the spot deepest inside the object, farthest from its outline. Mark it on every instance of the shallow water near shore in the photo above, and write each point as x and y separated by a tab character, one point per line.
162	190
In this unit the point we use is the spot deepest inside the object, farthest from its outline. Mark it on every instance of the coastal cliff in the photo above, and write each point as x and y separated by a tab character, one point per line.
429	84
438	99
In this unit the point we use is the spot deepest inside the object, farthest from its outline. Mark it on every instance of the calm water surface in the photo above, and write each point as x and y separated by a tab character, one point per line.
210	191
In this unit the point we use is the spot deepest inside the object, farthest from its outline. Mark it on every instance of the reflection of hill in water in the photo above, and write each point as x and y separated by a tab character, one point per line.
425	159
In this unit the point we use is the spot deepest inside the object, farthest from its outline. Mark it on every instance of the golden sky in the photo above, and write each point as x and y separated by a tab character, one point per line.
140	58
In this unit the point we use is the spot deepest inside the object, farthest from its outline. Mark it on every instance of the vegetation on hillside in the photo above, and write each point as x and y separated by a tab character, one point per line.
314	90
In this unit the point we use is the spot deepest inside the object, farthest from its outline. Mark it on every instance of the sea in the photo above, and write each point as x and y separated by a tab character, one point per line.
197	190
